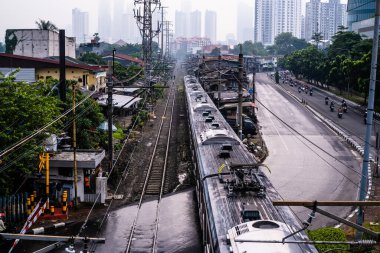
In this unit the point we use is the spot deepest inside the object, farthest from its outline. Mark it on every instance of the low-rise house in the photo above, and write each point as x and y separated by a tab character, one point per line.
62	173
124	59
88	77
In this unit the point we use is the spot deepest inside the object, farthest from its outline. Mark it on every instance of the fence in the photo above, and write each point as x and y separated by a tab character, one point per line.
14	207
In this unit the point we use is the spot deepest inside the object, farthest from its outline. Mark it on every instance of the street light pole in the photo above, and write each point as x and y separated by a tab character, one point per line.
370	108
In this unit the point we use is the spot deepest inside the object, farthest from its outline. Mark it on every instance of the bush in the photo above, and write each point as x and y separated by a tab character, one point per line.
329	234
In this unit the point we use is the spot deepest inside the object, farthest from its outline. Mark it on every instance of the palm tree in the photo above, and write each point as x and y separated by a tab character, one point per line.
317	37
46	25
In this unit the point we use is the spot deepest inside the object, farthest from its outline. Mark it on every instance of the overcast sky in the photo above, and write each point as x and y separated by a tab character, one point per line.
18	14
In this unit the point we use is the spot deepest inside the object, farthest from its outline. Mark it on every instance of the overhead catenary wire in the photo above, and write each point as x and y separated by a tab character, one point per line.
40	130
315	145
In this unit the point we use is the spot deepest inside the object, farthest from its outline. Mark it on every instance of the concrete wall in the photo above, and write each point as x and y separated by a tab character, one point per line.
41	43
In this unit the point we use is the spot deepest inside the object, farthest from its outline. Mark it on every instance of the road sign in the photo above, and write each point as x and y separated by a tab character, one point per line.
250	91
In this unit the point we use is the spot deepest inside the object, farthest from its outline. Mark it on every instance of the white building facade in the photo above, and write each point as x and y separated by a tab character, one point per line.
80	26
210	25
324	18
40	43
273	17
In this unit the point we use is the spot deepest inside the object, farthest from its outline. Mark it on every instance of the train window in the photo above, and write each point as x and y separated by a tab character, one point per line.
209	120
215	125
227	147
264	224
205	114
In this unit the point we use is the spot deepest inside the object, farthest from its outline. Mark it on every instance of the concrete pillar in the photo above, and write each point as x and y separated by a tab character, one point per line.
101	187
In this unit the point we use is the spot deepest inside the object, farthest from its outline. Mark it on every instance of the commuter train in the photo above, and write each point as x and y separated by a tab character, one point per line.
234	195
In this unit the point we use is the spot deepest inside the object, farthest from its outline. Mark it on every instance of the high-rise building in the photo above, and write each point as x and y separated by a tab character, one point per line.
117	20
195	24
210	25
287	17
80	25
181	24
273	17
129	30
264	22
358	10
324	18
104	21
244	21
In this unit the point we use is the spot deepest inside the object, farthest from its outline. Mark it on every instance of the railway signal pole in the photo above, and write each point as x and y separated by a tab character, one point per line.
240	95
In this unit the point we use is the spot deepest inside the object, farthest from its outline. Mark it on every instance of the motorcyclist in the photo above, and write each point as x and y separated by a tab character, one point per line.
340	113
332	106
326	100
365	116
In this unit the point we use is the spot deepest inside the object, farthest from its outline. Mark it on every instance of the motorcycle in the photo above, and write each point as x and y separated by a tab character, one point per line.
344	108
340	115
326	101
311	93
331	108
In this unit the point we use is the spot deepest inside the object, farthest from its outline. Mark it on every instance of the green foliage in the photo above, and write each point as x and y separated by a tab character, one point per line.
215	52
130	49
140	118
250	48
92	58
277	77
285	43
158	91
118	134
46	25
329	234
10	41
89	117
2	47
24	108
124	73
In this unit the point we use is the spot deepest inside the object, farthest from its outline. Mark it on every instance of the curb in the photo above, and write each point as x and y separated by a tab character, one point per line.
48	229
358	148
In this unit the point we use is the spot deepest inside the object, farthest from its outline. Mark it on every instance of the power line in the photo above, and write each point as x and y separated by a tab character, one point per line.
23	141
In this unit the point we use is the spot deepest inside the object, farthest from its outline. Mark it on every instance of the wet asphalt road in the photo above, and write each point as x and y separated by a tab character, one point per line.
178	228
300	170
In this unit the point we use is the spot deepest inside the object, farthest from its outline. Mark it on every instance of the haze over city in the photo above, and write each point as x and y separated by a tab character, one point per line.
60	13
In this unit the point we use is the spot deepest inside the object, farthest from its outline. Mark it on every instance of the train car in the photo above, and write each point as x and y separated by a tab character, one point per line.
234	195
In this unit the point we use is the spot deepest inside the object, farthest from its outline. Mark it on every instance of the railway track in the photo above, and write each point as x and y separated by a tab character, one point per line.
144	229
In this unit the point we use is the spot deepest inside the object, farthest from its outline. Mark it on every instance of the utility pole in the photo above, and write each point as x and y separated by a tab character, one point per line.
162	32
219	58
75	148
240	97
370	107
144	20
110	112
62	66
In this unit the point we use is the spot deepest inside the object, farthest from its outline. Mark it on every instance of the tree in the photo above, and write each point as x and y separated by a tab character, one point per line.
343	43
285	43
215	52
317	37
2	47
24	108
92	58
46	25
124	73
250	48
89	117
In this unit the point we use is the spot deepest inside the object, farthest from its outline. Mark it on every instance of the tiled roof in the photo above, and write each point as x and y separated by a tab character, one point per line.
23	61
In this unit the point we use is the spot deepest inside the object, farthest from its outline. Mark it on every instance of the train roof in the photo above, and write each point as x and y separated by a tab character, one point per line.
226	169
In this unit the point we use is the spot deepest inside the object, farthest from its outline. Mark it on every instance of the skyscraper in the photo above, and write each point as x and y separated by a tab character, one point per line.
324	18
104	21
181	24
210	25
273	17
80	25
129	30
359	10
244	21
195	24
117	20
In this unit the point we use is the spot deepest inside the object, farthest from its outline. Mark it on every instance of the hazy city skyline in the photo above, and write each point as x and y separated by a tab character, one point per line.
60	13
